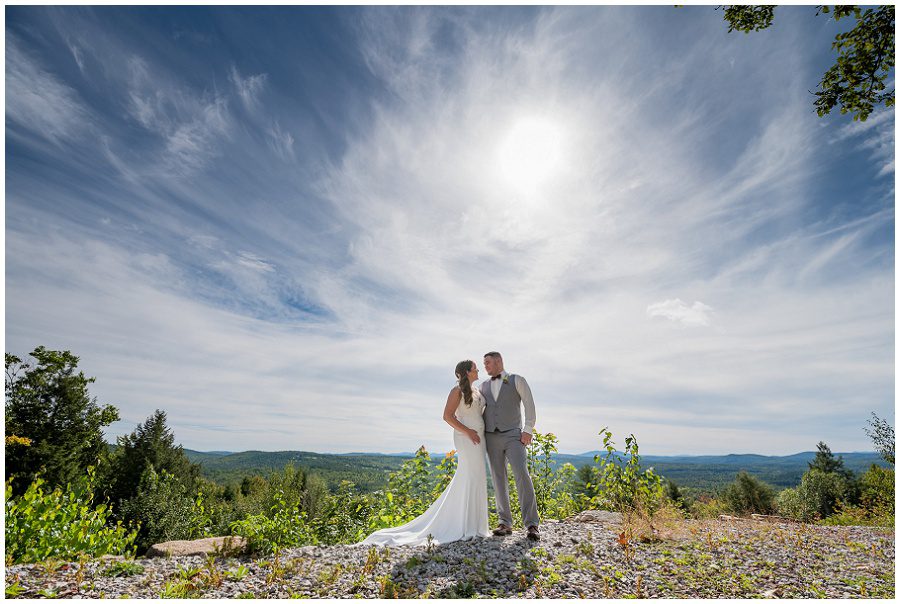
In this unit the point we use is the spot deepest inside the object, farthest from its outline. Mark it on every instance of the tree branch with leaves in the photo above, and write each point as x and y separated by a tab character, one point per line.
865	58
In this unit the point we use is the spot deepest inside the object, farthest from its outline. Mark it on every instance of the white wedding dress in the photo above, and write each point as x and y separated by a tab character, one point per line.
461	512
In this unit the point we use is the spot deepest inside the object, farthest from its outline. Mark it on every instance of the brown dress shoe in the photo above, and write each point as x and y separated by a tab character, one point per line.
502	530
533	533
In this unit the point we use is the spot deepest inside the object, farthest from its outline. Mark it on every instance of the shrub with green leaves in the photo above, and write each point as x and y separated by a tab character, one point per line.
163	508
706	506
411	489
816	497
211	514
675	495
286	526
821	491
876	505
62	523
790	504
877	489
621	484
749	495
552	485
344	517
444	473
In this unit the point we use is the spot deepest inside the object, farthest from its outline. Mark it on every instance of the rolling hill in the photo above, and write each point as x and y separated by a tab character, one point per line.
369	471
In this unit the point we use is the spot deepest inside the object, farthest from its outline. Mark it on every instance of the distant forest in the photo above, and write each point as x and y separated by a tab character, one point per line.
369	472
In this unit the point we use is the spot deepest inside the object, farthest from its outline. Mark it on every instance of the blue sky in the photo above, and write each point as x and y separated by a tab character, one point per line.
285	226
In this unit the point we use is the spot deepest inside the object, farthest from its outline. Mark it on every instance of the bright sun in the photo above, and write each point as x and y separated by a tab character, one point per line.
530	152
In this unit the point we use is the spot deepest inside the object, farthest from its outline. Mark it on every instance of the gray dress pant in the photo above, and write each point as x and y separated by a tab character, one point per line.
503	446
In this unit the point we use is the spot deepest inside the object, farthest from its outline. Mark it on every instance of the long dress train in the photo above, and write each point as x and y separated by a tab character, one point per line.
461	512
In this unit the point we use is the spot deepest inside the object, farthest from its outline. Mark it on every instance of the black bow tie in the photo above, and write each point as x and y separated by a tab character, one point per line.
496	377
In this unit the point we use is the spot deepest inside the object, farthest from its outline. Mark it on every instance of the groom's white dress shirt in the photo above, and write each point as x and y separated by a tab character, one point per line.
524	391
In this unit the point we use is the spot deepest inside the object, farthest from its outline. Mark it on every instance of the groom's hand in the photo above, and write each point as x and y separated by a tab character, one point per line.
526	438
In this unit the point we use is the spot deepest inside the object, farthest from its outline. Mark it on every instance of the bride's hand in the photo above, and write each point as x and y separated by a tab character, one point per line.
473	436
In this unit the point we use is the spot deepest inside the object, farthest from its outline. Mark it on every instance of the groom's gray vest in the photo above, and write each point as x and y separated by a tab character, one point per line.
504	413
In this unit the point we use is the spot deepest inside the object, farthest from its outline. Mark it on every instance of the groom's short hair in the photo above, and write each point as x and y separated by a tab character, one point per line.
494	354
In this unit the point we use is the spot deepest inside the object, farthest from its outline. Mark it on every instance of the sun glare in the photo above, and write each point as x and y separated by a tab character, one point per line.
530	152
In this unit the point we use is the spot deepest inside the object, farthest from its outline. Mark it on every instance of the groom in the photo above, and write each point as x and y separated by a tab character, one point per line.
506	439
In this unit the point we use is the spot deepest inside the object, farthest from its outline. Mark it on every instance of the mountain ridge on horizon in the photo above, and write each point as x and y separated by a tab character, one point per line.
369	471
586	454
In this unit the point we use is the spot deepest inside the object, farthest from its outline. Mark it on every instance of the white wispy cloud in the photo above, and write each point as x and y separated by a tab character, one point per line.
254	262
248	88
281	142
697	314
876	135
77	54
191	126
37	101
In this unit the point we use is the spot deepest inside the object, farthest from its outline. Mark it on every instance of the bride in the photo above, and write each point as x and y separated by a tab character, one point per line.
461	511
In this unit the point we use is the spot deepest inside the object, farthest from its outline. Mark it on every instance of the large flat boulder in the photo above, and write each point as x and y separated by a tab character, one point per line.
599	516
218	546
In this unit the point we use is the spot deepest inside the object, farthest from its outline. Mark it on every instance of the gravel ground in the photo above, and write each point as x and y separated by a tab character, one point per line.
707	559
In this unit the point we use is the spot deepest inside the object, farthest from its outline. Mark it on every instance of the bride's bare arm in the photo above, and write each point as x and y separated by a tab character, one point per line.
449	417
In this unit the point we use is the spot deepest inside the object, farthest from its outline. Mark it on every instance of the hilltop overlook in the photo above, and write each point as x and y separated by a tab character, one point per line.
580	557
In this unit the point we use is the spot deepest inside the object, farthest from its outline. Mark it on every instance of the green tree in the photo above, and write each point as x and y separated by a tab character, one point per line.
749	495
251	485
49	404
865	58
587	481
826	462
882	435
150	444
674	494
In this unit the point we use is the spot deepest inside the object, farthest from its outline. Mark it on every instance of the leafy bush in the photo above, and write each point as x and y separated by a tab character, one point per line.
816	497
61	523
344	517
552	486
211	512
444	473
790	504
706	506
411	489
822	491
876	506
749	495
622	486
162	507
286	526
877	489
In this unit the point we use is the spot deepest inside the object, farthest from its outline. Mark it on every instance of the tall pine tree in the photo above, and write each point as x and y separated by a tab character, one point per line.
151	443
